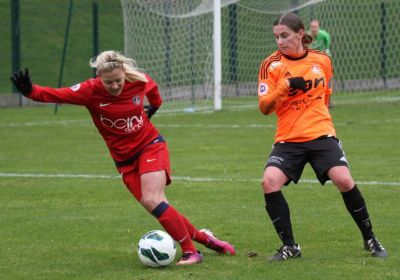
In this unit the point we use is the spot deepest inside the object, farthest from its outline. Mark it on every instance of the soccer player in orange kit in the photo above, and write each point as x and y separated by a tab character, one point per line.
115	100
295	83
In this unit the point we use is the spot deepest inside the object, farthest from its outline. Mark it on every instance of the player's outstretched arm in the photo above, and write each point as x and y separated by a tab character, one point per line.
78	94
22	81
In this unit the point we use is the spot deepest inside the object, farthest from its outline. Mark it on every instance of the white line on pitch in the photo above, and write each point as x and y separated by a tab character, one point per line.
50	123
216	125
194	125
177	178
60	175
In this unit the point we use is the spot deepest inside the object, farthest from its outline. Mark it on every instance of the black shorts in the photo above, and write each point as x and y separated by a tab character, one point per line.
322	153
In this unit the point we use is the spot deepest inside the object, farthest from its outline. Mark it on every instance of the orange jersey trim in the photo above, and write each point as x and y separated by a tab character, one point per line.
263	73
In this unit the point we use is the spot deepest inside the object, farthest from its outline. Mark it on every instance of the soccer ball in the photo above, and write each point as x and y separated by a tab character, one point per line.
156	248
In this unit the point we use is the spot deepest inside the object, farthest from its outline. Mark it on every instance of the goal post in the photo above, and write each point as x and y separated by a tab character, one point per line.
179	43
205	54
217	55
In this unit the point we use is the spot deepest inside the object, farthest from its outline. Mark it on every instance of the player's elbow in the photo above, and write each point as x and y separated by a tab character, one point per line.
266	107
266	110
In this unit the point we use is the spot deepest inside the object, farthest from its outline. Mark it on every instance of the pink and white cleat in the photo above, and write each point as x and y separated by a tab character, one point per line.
221	247
189	258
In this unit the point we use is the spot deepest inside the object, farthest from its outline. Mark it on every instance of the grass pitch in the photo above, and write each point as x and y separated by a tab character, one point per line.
59	223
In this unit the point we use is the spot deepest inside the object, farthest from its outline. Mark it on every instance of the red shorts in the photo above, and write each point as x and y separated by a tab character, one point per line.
154	157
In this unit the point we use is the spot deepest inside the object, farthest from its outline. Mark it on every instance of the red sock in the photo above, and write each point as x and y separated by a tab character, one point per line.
194	233
174	225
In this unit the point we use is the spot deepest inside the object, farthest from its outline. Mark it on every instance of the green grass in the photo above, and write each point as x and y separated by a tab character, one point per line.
77	228
43	27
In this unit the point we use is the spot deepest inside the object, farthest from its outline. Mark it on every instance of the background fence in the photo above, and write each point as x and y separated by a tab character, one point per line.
42	33
177	50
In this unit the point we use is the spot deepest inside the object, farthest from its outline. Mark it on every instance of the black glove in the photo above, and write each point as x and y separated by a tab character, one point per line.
22	81
298	83
150	110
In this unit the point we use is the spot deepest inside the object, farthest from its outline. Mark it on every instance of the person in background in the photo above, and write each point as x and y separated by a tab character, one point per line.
321	41
115	100
321	38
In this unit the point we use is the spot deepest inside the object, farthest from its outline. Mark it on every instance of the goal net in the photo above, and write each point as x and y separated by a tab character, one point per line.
172	40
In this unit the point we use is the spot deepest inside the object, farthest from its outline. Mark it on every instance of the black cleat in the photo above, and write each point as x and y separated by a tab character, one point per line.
375	247
286	252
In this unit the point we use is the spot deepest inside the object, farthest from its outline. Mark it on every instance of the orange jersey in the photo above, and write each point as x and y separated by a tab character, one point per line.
302	116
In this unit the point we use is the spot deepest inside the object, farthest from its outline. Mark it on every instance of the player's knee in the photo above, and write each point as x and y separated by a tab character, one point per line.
344	184
149	201
270	184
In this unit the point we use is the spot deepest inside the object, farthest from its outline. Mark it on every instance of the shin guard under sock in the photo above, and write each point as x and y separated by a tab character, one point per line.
171	221
278	210
194	233
357	208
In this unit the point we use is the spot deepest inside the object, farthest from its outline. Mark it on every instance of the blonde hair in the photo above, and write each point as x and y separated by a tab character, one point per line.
109	60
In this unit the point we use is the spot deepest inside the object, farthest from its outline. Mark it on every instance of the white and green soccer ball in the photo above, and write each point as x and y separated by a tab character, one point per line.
156	248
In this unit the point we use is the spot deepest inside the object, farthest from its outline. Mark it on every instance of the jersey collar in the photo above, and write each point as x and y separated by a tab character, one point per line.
297	58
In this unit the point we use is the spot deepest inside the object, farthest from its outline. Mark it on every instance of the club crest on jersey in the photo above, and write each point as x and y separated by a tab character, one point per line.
75	87
262	89
136	100
315	69
274	65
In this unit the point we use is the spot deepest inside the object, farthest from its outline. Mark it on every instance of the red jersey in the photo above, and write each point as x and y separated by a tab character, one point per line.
120	120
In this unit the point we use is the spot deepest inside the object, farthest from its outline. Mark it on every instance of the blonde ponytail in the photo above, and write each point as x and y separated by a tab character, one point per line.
109	60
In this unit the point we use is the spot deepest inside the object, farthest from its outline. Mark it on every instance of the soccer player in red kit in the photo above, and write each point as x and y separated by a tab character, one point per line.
115	100
295	83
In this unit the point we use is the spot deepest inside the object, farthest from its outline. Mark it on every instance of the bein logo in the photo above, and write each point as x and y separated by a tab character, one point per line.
130	124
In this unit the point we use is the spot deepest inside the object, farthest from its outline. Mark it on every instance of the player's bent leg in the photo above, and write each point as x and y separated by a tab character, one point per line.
341	178
273	179
279	213
154	200
355	204
152	186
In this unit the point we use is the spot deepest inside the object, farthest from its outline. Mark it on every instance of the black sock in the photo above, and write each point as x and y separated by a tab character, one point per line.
278	211
355	204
